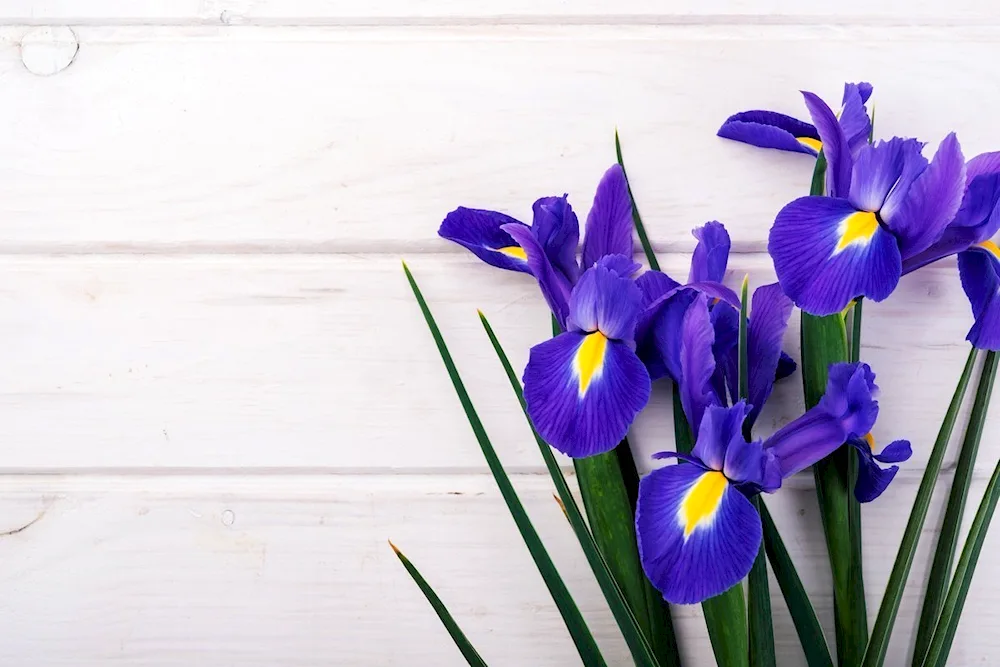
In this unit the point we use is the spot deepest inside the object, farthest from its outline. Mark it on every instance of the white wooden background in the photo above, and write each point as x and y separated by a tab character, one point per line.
218	399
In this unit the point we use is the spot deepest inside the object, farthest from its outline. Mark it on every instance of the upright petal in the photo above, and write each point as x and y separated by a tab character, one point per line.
659	346
555	288
827	253
609	224
482	232
697	365
726	322
720	429
982	164
697	534
835	146
557	229
768	129
931	202
883	173
854	116
979	268
624	266
583	391
711	255
765	331
606	302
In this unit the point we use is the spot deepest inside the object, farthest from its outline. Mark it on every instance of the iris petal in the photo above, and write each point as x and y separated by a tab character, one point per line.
827	253
979	268
609	224
765	331
884	168
697	365
606	302
873	479
698	536
720	430
557	229
482	232
854	116
711	255
768	129
555	288
835	146
583	391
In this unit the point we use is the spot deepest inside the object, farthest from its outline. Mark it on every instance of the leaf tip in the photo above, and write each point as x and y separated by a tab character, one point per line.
395	549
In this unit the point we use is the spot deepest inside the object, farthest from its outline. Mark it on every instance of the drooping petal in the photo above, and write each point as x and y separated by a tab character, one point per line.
979	268
720	429
835	146
606	302
624	266
555	288
765	330
711	255
896	451
854	116
482	232
768	129
931	202
698	535
827	253
557	229
583	391
850	397
873	479
697	365
884	169
609	224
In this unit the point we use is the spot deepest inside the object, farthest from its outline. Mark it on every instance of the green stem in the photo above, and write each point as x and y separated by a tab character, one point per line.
944	554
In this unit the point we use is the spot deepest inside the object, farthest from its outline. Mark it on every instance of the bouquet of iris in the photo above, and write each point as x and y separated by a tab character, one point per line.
697	528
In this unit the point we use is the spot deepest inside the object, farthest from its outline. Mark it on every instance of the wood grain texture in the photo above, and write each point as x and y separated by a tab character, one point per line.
362	139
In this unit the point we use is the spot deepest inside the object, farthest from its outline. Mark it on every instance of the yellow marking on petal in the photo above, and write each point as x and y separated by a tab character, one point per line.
990	247
858	227
588	364
515	251
702	501
871	441
814	144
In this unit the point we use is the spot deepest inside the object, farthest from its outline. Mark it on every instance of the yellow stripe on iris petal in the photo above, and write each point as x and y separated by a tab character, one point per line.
870	439
588	364
515	251
857	228
702	501
814	144
990	247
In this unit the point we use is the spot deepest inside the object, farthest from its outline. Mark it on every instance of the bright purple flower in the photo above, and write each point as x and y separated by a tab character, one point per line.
979	267
584	387
698	532
768	129
886	205
547	249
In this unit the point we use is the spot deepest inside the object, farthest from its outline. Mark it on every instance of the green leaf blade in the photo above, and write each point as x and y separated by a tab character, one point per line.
584	641
461	641
640	229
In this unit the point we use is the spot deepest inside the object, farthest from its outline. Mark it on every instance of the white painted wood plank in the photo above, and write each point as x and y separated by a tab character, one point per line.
362	139
338	11
324	362
296	571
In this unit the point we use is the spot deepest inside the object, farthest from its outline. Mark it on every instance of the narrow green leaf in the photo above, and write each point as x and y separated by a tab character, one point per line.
640	229
951	612
683	437
635	636
589	652
944	553
743	361
803	615
879	642
461	641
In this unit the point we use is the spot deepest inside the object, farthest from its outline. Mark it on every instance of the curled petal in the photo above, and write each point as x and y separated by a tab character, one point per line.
979	268
767	129
873	479
826	253
698	535
835	146
624	266
555	288
883	173
720	429
854	116
609	224
583	390
606	302
660	346
850	397
711	255
557	229
765	331
697	365
482	232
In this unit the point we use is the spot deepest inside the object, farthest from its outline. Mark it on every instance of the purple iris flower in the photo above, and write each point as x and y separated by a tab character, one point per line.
886	205
698	532
768	129
979	267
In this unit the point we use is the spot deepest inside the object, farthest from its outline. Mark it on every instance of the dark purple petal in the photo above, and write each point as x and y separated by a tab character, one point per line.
557	229
884	168
698	535
481	232
896	451
767	129
660	346
835	146
555	287
786	366
983	164
932	200
872	478
979	268
582	392
620	264
765	330
654	285
697	365
826	254
726	323
604	301
850	397
609	224
854	117
751	467
711	255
